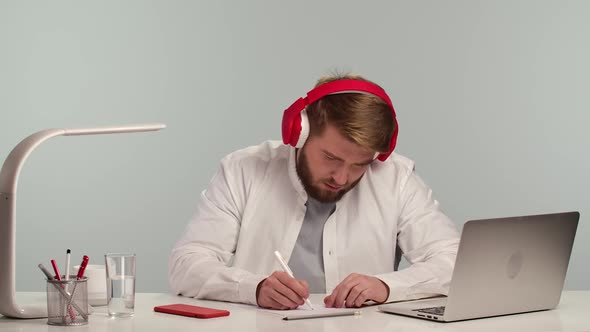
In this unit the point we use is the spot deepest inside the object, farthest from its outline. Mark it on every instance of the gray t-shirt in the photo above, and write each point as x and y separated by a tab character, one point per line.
307	260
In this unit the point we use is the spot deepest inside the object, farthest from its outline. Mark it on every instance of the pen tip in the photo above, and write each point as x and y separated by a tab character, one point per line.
68	251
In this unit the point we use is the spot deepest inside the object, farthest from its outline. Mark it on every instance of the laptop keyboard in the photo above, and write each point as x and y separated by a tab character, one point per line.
434	310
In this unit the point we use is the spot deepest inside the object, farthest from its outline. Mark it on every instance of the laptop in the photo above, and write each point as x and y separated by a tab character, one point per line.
504	266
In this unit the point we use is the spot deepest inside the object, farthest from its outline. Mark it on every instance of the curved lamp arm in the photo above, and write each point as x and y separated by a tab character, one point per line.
8	183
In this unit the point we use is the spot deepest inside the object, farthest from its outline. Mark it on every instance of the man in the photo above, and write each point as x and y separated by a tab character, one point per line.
336	202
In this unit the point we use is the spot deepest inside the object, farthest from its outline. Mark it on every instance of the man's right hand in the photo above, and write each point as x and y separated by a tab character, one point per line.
281	291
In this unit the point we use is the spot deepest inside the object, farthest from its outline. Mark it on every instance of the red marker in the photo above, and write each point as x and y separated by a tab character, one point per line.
57	275
85	260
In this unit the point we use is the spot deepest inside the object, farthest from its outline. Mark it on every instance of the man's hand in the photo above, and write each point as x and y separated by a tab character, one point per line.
355	290
281	291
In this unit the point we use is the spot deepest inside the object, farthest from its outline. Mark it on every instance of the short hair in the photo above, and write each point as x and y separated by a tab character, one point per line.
363	118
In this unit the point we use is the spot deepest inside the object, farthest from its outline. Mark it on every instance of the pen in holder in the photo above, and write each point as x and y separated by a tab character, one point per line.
67	302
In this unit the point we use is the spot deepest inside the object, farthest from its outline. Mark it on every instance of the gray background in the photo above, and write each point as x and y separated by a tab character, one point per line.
492	101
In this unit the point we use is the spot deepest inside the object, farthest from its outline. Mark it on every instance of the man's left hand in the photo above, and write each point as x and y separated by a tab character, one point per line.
355	290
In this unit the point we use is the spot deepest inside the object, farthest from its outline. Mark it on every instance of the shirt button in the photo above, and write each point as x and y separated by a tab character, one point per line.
329	252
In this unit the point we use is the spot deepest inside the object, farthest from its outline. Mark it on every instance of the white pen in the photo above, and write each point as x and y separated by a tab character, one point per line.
68	264
288	270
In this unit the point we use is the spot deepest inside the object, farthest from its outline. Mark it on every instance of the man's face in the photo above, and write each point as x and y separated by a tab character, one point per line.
330	165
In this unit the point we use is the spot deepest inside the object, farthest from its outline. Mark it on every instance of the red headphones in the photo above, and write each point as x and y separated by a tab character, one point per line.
295	126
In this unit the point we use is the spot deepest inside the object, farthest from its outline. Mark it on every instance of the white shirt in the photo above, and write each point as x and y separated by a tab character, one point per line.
255	204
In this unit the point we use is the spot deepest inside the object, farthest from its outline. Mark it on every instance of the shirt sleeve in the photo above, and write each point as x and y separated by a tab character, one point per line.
428	240
199	265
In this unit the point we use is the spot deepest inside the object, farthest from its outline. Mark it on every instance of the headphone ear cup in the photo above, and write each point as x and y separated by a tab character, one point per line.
303	131
392	142
291	125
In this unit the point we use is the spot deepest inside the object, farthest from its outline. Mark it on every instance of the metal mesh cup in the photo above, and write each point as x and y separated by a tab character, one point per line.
67	302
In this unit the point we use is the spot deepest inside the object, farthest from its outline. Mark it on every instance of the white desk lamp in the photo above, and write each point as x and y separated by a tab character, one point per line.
8	181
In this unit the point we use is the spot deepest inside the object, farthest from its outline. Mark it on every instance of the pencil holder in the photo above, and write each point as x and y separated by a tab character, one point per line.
67	302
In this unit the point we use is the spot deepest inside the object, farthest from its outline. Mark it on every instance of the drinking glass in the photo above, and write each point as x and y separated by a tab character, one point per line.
120	270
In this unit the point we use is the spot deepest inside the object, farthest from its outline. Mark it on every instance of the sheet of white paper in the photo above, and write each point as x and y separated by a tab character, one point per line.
319	310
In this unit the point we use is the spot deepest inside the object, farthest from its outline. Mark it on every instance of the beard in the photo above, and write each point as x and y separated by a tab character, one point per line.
314	190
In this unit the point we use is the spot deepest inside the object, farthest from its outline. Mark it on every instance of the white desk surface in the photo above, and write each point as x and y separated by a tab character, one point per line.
571	315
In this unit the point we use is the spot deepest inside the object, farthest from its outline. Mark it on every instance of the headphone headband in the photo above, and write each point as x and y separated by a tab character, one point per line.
292	120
